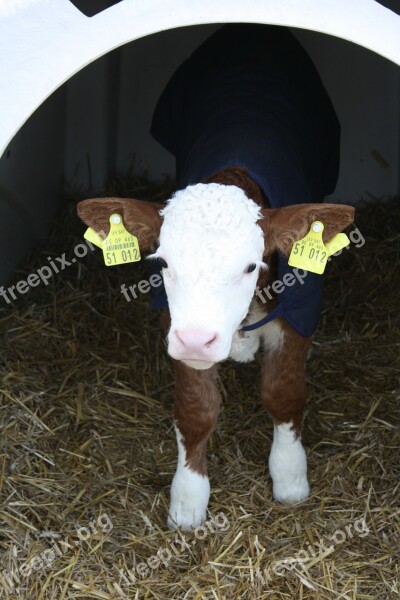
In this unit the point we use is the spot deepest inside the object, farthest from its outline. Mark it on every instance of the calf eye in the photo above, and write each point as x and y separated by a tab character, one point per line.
163	263
251	268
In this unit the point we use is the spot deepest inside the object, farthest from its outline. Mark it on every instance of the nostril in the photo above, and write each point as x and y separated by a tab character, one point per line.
210	342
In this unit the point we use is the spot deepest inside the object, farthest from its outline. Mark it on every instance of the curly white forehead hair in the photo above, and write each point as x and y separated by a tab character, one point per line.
213	205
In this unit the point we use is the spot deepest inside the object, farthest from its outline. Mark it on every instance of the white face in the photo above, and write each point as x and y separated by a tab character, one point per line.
213	249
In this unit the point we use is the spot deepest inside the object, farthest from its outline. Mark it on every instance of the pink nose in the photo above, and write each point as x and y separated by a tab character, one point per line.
195	341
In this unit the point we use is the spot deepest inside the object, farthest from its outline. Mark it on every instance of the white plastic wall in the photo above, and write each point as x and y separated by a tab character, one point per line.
102	113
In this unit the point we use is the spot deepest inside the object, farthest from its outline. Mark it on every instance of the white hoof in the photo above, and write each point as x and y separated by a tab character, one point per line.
288	466
190	493
295	491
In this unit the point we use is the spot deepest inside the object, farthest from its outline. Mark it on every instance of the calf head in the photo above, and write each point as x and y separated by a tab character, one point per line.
211	241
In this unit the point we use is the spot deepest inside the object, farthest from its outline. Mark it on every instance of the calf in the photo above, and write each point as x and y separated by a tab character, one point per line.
256	142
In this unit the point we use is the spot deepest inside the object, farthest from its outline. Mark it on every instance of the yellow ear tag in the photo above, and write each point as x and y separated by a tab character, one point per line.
92	236
310	253
120	246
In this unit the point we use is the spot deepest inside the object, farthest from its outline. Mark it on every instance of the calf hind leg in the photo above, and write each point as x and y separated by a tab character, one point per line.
283	393
196	409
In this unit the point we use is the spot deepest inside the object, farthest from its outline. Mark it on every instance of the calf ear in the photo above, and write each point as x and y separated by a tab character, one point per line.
142	219
284	226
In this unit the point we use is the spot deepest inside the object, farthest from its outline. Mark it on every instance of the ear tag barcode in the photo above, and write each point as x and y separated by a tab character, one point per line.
120	246
310	253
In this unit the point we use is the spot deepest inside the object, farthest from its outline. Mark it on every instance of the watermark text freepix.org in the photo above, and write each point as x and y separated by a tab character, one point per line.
44	559
143	286
45	273
278	286
10	7
313	552
166	553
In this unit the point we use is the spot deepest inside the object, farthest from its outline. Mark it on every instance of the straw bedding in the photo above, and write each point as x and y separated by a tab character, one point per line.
87	441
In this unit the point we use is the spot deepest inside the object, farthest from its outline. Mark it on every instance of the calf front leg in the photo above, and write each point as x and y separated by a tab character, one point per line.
196	409
283	392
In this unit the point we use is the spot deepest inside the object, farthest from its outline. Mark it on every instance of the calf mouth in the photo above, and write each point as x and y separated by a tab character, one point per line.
199	365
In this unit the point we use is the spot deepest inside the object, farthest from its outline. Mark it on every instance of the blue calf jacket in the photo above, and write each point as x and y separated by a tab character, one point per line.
250	97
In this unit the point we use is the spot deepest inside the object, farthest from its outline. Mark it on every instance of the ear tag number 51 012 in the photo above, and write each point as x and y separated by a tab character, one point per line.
120	246
311	254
